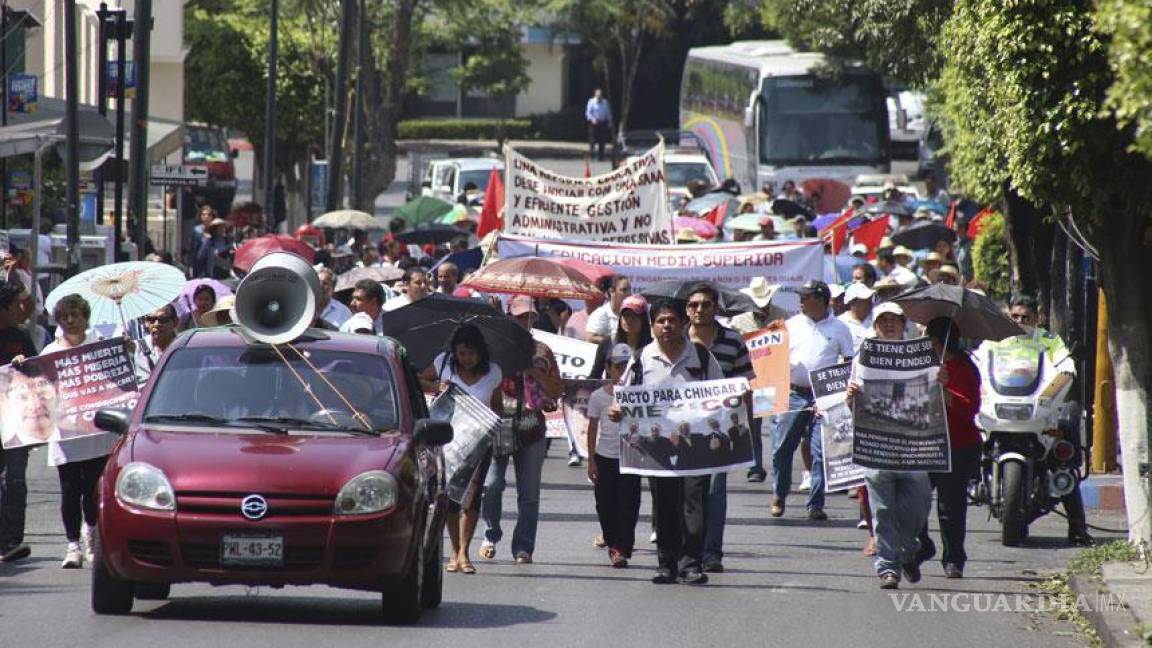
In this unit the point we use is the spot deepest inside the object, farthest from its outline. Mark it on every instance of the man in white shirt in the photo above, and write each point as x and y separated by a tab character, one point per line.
447	277
886	264
816	340
417	287
858	317
331	310
367	297
602	321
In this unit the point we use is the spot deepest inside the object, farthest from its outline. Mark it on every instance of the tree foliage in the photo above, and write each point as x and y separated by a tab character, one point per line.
1129	25
988	254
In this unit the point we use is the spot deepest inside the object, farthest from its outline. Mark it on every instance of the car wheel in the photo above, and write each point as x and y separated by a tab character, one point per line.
402	600
433	587
152	591
110	594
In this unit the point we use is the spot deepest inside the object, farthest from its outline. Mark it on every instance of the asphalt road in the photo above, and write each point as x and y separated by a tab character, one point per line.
789	582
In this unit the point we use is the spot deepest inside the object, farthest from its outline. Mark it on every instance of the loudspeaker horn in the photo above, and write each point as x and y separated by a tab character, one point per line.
276	301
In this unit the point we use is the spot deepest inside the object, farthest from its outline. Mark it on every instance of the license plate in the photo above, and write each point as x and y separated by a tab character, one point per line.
252	550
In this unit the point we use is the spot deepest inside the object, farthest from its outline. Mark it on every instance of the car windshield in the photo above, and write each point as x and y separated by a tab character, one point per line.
681	173
476	177
237	385
204	145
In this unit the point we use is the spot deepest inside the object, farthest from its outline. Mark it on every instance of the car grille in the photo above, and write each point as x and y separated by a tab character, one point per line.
354	557
155	552
207	556
279	505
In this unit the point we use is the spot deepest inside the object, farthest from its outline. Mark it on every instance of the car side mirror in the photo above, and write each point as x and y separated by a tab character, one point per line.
112	420
433	433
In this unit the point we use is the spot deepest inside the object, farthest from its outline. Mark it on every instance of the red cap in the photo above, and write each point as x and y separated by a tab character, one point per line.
635	303
519	305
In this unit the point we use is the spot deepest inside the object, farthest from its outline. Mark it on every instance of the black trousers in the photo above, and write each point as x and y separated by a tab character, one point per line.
952	506
617	504
78	494
13	495
598	135
680	514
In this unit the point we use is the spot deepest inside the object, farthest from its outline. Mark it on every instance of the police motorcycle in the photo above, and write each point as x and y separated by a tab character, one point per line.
1033	444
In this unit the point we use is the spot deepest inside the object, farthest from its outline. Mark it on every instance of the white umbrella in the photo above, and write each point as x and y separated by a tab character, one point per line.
122	291
347	219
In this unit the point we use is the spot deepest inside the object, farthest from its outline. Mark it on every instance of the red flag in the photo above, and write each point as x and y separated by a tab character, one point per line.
717	214
493	204
950	222
870	234
837	231
977	223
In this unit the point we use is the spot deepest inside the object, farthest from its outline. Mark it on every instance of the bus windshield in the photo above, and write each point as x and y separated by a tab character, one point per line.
205	144
809	120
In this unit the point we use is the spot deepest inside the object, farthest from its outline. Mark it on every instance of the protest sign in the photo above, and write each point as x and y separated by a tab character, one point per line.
574	411
786	263
574	357
627	204
55	397
768	349
899	412
830	386
472	423
678	430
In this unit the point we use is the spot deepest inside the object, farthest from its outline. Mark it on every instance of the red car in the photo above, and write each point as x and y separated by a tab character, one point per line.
246	463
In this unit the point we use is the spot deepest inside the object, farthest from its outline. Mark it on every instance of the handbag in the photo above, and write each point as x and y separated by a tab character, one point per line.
519	430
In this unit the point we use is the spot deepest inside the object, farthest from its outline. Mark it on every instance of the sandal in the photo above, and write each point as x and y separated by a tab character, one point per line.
487	550
451	566
467	568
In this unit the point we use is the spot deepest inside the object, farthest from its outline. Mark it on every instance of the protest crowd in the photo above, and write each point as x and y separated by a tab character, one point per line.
624	326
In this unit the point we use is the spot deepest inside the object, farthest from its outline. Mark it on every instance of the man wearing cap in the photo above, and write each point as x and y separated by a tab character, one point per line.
929	265
948	274
838	304
816	340
729	349
858	317
859	250
767	229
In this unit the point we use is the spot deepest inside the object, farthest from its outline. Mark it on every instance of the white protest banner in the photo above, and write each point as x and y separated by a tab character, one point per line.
575	357
787	263
627	204
55	397
574	410
678	430
830	387
899	412
472	422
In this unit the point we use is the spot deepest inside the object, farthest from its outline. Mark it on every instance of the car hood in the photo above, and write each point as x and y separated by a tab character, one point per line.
237	462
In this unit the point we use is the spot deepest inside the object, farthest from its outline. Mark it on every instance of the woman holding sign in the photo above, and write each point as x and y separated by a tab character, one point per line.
900	499
469	367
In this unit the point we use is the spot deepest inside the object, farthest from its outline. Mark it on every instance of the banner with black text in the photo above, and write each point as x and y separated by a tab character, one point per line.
830	387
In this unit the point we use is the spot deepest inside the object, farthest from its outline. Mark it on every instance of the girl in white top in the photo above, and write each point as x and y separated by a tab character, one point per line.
469	367
617	495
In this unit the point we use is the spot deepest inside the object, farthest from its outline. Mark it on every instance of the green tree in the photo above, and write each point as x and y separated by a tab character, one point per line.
988	254
1129	25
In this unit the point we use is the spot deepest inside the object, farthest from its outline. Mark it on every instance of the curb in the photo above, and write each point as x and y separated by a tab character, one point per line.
1113	626
478	148
1103	492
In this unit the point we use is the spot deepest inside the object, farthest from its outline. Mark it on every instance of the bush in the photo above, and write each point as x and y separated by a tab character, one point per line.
479	129
563	125
990	258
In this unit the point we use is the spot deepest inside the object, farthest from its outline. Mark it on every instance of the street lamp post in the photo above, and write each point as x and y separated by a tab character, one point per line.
72	106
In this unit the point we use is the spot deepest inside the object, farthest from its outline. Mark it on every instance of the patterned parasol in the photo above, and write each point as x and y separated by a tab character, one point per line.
122	291
534	276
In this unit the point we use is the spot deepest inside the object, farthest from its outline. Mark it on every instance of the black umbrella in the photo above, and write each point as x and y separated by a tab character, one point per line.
431	233
425	328
891	207
977	316
732	301
923	235
791	209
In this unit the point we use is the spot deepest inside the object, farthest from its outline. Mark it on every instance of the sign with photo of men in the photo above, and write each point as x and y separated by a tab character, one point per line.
899	412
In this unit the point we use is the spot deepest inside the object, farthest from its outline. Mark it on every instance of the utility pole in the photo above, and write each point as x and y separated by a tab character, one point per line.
358	109
101	96
141	58
72	136
123	30
340	100
269	169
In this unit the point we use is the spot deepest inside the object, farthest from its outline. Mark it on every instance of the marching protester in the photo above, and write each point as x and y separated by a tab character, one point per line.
679	501
538	387
727	346
203	299
331	310
816	340
899	499
14	343
368	298
417	287
469	366
858	317
761	293
447	277
617	495
961	381
632	328
161	326
602	321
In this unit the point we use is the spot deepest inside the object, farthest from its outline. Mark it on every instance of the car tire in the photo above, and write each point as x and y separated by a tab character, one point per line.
110	594
432	590
402	601
152	591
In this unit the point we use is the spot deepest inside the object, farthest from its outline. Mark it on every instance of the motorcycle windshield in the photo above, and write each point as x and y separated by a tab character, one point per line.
1016	371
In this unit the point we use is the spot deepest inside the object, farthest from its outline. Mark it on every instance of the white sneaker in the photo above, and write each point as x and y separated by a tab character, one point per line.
862	524
652	538
806	482
74	557
574	461
86	543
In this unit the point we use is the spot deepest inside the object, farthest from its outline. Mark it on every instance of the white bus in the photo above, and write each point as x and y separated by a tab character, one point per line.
769	114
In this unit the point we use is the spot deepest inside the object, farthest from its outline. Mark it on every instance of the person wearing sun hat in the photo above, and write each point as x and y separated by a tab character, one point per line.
761	292
858	317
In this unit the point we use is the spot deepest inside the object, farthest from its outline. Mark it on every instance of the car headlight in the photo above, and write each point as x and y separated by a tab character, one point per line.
370	492
145	486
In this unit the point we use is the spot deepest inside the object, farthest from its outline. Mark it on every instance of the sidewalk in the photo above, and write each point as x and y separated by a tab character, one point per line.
473	148
1118	602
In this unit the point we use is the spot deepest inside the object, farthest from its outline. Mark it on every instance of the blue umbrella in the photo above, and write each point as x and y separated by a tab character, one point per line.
469	259
824	220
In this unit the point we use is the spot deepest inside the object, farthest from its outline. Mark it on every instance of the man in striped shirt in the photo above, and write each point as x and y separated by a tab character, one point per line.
728	347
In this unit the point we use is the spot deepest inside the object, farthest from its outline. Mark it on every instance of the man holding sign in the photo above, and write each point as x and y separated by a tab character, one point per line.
679	501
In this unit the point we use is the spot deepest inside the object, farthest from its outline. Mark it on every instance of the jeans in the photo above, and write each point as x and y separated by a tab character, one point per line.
681	503
78	494
900	503
794	425
617	504
528	462
952	506
13	495
757	447
714	518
